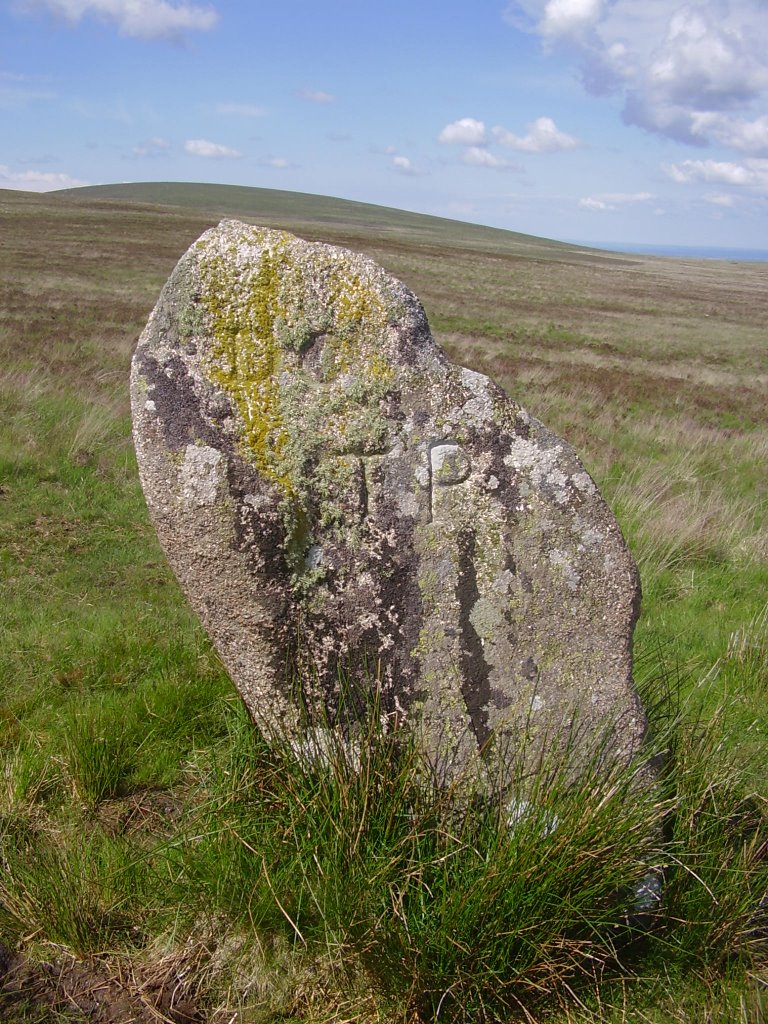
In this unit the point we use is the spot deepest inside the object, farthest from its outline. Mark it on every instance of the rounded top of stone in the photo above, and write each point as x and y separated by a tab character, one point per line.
309	287
305	340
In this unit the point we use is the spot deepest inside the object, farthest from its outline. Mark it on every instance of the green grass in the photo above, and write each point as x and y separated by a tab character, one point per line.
144	826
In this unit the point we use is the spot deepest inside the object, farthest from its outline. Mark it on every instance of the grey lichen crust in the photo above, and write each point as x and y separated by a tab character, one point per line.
340	502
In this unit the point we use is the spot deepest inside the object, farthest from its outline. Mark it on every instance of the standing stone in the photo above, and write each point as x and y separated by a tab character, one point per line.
346	510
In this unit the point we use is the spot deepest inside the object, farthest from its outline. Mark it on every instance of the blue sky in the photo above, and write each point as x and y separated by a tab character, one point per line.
601	120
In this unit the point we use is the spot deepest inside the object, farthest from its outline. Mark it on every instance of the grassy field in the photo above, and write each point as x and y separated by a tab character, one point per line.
157	863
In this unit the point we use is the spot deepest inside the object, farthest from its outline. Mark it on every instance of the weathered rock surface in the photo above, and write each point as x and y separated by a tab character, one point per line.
339	501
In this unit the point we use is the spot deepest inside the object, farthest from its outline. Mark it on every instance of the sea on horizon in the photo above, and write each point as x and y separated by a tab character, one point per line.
691	252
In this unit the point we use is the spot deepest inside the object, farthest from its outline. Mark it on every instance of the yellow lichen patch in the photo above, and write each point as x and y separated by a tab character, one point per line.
380	370
245	355
358	315
357	302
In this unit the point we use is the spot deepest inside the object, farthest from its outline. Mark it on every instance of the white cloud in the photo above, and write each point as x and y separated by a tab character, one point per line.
626	197
752	174
704	62
570	17
703	69
202	147
152	147
278	163
316	96
611	200
404	165
590	203
710	171
543	137
476	156
142	19
695	72
36	181
733	132
240	109
464	132
720	200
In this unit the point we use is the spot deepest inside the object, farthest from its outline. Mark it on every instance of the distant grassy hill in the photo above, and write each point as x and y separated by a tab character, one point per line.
299	209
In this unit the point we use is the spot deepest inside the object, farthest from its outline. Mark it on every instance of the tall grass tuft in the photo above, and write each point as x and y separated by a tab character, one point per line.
100	750
747	653
72	888
675	518
453	907
715	907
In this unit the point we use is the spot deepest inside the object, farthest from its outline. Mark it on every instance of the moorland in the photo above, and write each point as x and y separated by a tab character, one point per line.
159	863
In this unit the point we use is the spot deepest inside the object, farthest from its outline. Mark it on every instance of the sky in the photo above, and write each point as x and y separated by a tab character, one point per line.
633	121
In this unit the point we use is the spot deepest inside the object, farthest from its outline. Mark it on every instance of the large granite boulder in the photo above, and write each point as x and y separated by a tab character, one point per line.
347	511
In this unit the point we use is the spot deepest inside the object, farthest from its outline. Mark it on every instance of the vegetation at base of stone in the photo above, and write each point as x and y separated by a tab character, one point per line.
352	878
140	824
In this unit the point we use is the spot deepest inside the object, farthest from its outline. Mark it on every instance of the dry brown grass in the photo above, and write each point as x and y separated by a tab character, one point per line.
79	279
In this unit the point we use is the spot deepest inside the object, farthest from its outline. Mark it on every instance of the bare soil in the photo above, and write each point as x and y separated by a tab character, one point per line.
65	990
